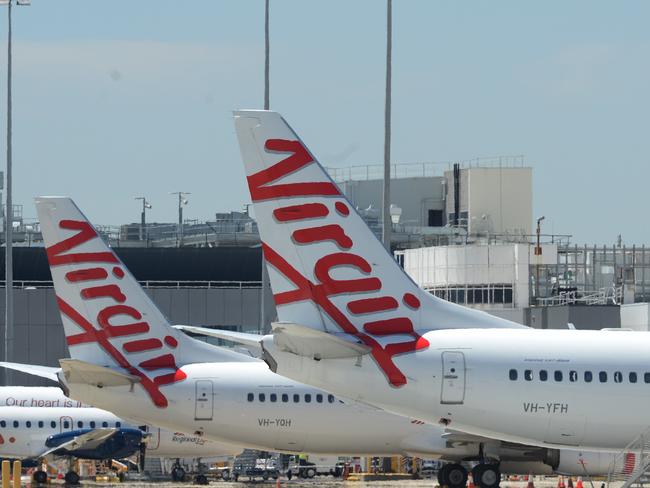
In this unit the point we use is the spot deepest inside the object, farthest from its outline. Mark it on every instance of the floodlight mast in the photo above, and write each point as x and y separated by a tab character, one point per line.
181	202
9	209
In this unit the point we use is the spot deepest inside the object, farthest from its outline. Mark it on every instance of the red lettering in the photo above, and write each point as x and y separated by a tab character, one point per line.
86	233
372	305
104	316
332	286
259	183
331	232
300	212
160	362
100	336
396	325
86	275
142	345
104	291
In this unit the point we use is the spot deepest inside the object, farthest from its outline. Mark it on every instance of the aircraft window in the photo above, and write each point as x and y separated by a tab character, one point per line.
28	424
273	397
118	425
543	375
66	424
588	376
573	376
558	375
92	424
104	424
646	377
602	376
330	398
528	375
3	424
618	377
307	398
319	398
16	424
53	424
251	397
262	397
296	398
513	375
40	424
632	377
285	398
80	425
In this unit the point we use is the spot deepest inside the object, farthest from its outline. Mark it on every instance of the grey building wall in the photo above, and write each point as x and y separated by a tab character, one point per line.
415	196
586	317
38	331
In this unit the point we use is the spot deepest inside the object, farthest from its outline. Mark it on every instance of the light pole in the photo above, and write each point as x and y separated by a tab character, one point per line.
538	252
143	219
181	202
386	220
9	209
267	60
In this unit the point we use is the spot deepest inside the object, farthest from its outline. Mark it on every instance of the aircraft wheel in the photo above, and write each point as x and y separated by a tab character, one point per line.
310	473
178	474
40	477
456	476
265	476
442	475
486	475
71	478
201	479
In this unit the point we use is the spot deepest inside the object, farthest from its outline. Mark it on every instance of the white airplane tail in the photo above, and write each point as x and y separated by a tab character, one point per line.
109	320
327	269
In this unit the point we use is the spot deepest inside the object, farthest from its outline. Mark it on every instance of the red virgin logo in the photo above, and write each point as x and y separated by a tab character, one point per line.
262	187
98	267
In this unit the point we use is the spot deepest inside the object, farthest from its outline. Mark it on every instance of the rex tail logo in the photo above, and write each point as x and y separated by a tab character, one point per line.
98	275
312	220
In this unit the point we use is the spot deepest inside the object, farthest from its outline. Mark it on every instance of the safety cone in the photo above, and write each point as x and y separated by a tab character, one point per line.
579	483
277	482
570	483
560	482
530	482
470	481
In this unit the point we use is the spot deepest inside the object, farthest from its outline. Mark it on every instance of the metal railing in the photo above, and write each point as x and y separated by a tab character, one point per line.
631	464
421	169
605	296
236	285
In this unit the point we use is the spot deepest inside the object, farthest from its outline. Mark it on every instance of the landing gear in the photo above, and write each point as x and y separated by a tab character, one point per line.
71	478
178	473
486	475
39	477
201	479
452	476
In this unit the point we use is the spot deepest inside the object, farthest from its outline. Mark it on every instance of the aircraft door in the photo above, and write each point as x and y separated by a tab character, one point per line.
453	377
204	400
65	424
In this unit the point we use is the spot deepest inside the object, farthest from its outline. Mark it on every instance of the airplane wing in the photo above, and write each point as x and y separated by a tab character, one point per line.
309	342
239	337
43	371
89	440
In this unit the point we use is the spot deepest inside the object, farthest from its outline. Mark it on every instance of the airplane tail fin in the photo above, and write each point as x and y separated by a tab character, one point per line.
108	318
327	269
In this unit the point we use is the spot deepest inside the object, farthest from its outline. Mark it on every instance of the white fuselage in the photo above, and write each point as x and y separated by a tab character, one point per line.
490	382
24	430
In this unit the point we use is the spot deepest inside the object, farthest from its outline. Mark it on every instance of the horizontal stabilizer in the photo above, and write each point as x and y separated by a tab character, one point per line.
313	343
228	335
43	371
77	371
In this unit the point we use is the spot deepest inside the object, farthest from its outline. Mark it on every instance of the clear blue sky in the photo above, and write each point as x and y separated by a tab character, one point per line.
115	99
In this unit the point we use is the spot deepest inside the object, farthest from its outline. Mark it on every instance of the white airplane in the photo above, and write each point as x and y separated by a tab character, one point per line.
353	323
40	422
127	358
